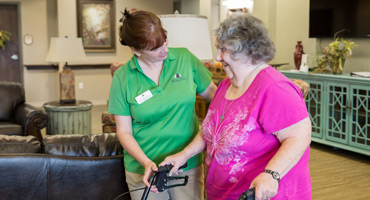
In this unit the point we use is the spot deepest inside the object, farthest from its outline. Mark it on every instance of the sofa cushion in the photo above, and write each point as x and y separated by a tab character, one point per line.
8	128
93	145
11	94
19	144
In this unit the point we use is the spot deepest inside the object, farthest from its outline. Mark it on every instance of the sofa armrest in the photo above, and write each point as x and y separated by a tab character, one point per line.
19	144
31	118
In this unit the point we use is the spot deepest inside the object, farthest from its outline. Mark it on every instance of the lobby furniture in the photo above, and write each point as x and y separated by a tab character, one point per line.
303	85
16	116
71	118
109	123
107	119
218	74
62	167
339	107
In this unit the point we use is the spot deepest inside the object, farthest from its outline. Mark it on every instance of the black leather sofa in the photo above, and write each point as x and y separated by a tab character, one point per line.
16	116
62	167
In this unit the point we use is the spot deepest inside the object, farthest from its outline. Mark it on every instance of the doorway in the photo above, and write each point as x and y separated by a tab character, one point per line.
10	68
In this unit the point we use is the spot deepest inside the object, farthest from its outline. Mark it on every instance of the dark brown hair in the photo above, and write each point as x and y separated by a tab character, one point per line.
141	30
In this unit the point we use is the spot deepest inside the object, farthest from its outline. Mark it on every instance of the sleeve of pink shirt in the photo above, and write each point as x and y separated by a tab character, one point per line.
282	105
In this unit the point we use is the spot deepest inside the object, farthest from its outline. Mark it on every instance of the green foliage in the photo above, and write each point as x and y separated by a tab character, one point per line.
4	36
335	55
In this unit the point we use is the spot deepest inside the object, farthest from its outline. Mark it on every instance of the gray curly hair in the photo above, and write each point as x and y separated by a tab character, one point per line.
246	34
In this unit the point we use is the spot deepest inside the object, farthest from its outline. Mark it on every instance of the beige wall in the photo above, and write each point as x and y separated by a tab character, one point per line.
49	18
292	26
286	20
190	6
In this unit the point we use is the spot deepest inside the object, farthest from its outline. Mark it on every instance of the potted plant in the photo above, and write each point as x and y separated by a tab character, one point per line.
4	36
334	56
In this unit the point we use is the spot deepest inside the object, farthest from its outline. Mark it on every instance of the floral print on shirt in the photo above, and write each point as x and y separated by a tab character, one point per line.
225	141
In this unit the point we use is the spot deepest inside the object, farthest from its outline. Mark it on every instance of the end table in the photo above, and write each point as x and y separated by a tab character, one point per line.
72	118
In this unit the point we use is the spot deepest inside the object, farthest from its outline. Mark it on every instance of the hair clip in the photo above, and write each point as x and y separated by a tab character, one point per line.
125	15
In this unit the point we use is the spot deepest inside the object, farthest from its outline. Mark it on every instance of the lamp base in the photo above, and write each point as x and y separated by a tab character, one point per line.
67	86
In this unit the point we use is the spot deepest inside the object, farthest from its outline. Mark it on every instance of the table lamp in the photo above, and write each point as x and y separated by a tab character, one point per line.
190	31
66	50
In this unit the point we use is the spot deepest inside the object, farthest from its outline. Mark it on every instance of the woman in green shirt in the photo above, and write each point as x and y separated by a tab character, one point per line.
152	97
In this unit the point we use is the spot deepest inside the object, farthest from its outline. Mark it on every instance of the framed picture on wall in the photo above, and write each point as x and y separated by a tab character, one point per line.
96	25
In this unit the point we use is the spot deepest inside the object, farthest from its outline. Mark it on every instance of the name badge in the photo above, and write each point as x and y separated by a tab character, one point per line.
143	97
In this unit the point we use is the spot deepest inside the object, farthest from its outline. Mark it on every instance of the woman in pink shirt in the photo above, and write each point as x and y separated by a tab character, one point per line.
257	130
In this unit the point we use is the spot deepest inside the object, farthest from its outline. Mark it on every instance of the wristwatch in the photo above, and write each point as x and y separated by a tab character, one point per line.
274	174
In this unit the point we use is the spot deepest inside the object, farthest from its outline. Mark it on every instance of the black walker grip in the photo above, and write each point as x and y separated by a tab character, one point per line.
160	179
167	168
247	195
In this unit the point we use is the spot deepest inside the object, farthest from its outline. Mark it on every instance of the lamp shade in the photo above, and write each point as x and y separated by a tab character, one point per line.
66	50
190	31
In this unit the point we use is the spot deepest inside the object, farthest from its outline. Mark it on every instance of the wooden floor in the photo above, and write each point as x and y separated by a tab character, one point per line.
338	174
335	174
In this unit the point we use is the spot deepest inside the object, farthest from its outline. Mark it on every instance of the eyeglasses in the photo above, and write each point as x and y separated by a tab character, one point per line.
222	49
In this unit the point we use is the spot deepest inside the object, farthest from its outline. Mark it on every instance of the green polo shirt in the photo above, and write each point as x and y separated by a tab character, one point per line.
163	115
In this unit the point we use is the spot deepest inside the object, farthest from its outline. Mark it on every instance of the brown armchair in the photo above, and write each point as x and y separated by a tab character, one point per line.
16	116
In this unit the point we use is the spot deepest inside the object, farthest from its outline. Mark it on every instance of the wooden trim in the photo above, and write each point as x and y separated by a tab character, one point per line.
40	67
73	67
276	65
90	66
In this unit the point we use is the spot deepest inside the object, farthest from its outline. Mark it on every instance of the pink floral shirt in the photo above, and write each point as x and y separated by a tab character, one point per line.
240	146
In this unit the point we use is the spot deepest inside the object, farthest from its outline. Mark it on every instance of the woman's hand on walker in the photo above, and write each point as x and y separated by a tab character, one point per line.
150	167
176	160
265	186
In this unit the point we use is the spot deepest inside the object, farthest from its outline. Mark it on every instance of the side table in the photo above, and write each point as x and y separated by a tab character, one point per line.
72	118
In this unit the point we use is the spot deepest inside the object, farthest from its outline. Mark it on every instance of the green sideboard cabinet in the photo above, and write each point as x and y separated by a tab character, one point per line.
339	108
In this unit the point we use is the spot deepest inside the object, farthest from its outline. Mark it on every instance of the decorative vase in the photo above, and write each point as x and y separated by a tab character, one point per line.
337	65
298	54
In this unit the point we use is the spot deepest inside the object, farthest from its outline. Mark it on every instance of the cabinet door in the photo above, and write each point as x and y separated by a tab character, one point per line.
337	109
314	102
360	117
